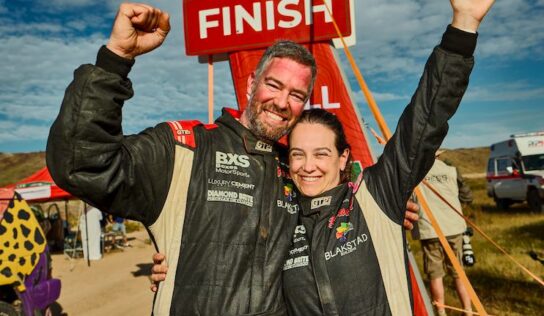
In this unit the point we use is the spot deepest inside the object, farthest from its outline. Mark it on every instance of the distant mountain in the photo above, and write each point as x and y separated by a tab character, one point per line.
15	167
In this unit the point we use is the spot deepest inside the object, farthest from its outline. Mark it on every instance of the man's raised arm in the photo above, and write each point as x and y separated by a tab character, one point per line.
87	153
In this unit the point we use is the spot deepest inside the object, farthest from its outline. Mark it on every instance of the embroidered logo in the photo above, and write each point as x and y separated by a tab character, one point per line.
262	146
322	201
342	231
288	191
343	212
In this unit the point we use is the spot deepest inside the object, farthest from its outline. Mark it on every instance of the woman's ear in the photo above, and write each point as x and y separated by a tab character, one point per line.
344	159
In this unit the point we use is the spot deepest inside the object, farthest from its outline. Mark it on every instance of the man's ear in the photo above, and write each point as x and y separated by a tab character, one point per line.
250	82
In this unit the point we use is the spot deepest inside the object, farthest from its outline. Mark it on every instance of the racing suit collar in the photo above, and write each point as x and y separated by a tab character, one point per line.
326	203
252	144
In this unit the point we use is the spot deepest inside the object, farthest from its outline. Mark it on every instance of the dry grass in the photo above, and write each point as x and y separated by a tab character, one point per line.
501	285
468	160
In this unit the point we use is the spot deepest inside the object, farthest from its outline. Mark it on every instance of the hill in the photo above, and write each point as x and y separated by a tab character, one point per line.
470	161
19	166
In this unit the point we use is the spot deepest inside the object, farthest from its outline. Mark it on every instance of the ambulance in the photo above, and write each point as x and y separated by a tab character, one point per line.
515	171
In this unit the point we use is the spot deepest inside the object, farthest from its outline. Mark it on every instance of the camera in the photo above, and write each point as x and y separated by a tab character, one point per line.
468	255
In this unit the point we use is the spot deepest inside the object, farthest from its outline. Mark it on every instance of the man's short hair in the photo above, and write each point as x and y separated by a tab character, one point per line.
290	50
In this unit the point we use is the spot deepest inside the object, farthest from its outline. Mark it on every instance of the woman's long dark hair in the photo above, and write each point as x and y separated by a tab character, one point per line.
329	120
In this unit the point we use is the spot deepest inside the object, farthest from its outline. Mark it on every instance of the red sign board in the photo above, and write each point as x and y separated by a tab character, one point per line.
221	26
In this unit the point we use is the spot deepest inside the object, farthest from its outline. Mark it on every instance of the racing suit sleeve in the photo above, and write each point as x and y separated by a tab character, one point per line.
88	155
409	154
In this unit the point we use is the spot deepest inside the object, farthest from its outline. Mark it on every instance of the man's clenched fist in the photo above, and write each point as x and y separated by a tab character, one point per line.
138	29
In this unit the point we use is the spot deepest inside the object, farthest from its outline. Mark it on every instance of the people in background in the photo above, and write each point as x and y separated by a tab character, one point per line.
448	181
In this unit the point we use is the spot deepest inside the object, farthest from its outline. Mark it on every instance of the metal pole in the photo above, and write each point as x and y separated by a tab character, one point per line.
87	234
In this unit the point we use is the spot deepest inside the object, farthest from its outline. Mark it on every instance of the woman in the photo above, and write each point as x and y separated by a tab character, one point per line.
348	254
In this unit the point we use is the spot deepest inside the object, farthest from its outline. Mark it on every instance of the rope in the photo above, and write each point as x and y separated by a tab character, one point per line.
387	135
470	222
534	276
435	303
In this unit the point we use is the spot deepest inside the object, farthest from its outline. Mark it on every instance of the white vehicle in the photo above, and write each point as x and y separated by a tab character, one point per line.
515	171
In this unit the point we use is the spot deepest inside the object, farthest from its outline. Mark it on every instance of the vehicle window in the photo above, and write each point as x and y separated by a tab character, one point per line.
491	166
502	164
533	162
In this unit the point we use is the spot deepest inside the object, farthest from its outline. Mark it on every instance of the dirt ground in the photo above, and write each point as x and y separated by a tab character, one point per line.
118	284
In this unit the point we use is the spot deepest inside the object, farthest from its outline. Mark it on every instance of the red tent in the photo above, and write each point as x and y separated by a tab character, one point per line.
40	187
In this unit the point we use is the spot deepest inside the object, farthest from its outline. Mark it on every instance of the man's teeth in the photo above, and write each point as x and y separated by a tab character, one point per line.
310	179
274	116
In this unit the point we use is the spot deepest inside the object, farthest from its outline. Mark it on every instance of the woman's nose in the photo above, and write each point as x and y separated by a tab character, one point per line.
309	165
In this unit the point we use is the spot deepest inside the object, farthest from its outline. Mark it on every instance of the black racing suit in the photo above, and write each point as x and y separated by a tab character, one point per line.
214	198
348	255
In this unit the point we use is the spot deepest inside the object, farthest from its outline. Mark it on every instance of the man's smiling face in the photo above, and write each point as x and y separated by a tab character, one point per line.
277	98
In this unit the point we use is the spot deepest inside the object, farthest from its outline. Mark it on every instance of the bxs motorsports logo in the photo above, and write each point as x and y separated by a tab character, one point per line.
228	163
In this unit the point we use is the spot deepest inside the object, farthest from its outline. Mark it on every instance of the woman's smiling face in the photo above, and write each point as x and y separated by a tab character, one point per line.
314	161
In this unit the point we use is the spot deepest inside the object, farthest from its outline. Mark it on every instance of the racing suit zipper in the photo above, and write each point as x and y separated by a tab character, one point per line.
324	289
265	218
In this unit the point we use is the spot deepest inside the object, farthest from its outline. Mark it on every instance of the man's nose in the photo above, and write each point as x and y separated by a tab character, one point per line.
282	100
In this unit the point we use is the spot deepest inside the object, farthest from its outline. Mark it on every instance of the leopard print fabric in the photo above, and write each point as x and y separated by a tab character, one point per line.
21	243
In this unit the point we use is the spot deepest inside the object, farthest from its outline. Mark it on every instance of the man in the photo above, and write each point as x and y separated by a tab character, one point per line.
215	198
450	184
118	228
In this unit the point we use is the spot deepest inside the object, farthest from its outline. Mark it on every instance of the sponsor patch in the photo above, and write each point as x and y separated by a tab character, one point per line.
231	184
319	202
291	208
342	231
229	159
291	263
288	192
230	196
300	229
229	163
262	146
346	248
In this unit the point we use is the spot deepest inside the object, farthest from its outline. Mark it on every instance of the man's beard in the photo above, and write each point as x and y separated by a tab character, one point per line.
261	129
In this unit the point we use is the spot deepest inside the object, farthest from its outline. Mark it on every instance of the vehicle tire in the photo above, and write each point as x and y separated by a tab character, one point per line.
8	310
534	201
502	204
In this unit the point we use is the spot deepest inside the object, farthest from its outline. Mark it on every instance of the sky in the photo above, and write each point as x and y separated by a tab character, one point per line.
43	42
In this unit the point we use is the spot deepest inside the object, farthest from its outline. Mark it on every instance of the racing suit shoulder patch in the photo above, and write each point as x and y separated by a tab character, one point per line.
183	131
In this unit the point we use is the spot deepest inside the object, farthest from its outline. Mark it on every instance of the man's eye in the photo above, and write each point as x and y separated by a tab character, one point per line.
272	86
298	97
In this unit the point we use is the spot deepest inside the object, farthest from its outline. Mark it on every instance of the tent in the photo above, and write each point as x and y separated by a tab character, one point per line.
40	187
